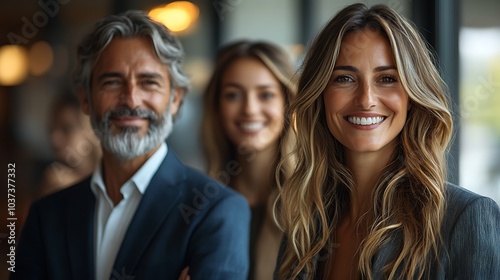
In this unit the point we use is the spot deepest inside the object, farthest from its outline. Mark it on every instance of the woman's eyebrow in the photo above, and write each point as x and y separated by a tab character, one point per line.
346	68
385	68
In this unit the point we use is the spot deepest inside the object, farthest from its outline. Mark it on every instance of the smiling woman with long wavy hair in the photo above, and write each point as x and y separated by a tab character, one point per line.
368	198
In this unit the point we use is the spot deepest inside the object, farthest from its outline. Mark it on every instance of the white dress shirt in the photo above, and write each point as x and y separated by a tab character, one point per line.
112	221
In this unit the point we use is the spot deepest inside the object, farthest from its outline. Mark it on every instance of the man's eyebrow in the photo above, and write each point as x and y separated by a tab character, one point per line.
147	75
109	75
150	75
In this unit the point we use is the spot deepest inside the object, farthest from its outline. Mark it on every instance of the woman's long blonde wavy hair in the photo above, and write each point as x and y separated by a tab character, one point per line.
409	195
219	152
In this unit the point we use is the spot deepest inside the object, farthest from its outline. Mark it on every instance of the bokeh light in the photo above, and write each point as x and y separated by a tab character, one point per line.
13	65
177	16
41	58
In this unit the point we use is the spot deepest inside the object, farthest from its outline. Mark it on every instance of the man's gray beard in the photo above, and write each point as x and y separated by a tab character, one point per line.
127	144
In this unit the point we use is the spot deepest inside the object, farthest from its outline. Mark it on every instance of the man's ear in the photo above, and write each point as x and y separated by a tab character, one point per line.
176	103
84	101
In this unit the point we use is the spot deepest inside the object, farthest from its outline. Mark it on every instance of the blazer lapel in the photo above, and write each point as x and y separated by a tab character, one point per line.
157	202
80	228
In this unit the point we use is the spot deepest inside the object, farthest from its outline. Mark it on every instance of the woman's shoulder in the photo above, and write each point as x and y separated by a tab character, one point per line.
464	206
470	232
458	198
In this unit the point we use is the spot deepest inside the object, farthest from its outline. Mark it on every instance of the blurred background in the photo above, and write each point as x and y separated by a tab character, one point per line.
38	42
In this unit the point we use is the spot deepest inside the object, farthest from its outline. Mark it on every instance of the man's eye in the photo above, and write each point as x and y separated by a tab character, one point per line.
111	83
150	83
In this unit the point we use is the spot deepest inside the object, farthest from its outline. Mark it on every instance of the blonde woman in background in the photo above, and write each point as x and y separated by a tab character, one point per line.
245	105
368	198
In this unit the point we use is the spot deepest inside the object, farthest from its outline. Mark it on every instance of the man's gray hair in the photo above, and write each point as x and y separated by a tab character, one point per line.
128	25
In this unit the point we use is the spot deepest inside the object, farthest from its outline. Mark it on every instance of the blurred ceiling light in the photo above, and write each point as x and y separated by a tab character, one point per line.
13	65
41	58
176	16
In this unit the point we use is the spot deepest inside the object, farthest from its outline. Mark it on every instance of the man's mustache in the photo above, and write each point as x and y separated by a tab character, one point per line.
126	111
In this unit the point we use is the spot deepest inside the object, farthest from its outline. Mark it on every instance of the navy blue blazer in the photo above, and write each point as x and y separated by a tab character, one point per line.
471	241
184	219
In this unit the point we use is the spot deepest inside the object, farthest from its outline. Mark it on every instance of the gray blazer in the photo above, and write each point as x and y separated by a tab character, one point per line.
471	241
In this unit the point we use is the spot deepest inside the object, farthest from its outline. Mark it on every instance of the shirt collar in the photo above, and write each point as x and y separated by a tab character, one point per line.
140	179
144	175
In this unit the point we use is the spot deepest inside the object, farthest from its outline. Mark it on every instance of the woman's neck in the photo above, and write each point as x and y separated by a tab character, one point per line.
366	169
255	181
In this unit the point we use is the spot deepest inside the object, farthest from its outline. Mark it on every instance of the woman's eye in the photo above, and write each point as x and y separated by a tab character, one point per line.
267	95
343	79
388	79
231	95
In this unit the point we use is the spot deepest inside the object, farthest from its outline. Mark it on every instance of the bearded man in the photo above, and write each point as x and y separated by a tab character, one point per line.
142	214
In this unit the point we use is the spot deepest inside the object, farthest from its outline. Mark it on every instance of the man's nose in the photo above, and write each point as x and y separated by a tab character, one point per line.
131	96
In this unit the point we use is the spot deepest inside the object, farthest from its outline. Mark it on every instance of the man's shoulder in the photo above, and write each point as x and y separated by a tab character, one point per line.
202	196
196	180
192	181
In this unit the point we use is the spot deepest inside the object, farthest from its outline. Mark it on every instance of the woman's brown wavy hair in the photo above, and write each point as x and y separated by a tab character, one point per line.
409	195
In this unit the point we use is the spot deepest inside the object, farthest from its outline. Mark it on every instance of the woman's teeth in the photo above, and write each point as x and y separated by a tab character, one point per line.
365	121
253	126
